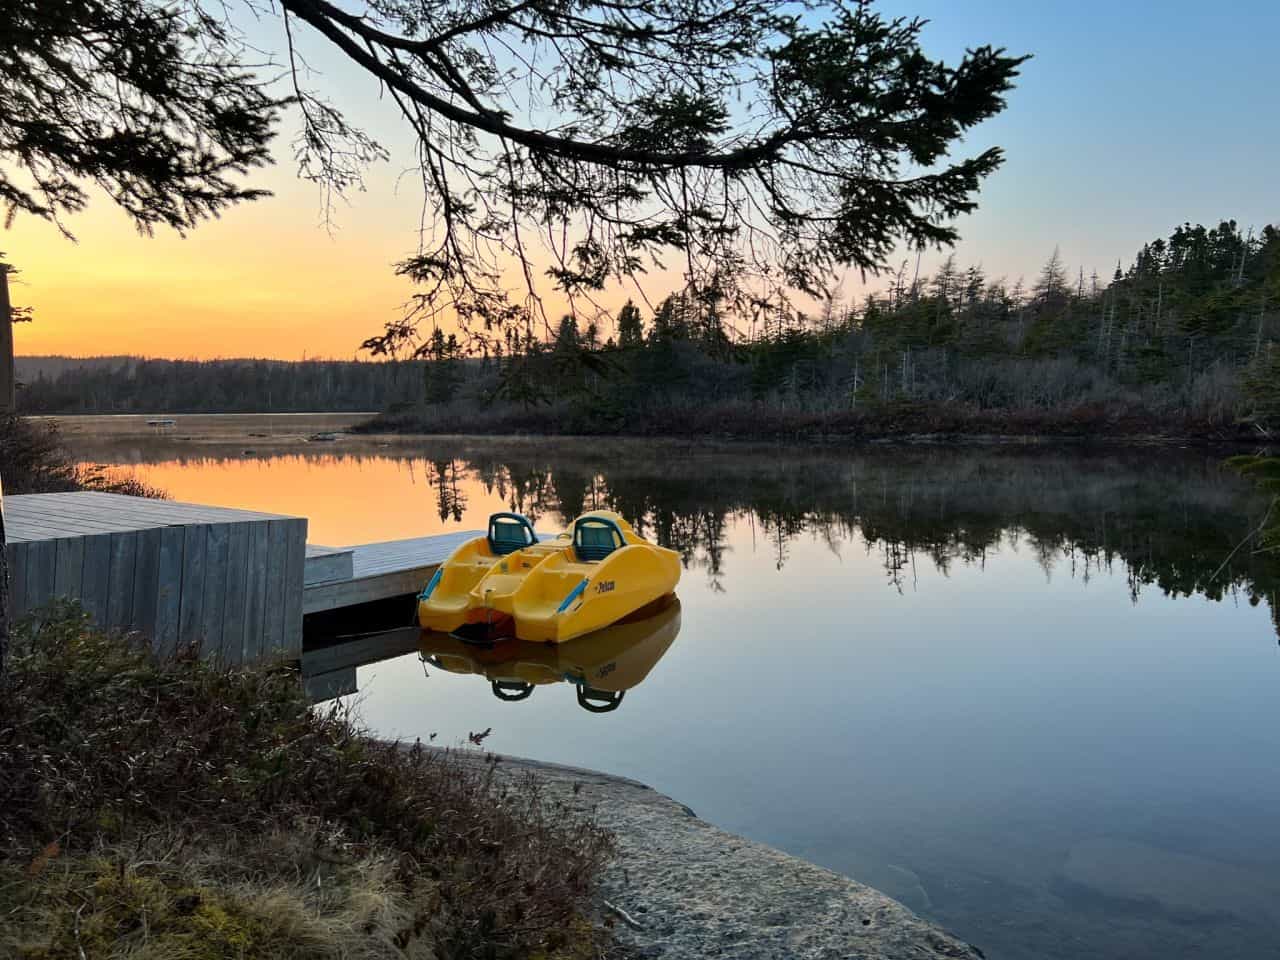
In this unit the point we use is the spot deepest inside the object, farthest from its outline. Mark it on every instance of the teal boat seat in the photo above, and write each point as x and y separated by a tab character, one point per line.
509	532
594	538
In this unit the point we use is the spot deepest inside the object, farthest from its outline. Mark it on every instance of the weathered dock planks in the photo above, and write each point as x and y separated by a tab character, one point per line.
178	573
328	563
380	571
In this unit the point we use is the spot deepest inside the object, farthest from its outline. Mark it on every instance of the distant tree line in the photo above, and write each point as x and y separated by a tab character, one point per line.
1187	332
131	385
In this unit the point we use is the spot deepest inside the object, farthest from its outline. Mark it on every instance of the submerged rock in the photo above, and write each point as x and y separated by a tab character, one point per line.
1126	877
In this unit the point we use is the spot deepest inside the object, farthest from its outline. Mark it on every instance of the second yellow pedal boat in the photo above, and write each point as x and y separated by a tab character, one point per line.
592	575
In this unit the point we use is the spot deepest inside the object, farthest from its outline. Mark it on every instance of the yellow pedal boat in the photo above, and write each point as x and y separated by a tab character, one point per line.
592	575
602	665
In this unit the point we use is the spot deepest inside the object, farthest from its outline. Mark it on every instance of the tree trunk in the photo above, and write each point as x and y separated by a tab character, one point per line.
6	408
8	385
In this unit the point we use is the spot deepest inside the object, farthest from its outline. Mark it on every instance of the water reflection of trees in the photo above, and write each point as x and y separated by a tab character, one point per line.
1163	518
446	478
1166	521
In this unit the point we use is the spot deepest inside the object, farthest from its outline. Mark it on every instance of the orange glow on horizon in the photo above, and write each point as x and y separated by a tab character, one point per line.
265	280
261	281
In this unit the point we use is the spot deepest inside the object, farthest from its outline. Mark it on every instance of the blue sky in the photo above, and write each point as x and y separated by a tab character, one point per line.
1131	119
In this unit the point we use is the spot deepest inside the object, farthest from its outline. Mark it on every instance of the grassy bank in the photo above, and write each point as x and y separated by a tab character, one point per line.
764	421
153	810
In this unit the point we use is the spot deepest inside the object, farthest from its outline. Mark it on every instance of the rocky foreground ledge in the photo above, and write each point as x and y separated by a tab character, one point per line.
681	888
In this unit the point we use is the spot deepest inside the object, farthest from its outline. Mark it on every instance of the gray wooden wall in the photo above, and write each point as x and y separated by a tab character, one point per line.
235	589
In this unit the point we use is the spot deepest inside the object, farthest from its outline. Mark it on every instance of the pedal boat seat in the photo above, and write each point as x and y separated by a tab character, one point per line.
594	538
509	532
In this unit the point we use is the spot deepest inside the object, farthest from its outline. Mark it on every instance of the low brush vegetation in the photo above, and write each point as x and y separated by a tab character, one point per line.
32	460
172	810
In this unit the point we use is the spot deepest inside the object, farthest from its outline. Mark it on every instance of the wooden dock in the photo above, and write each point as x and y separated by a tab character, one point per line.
230	580
236	582
376	571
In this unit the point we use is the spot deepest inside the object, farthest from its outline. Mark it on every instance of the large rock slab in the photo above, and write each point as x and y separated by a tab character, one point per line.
682	888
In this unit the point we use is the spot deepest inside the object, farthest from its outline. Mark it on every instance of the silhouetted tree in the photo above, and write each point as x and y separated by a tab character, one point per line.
1051	287
153	103
567	343
630	327
441	373
642	149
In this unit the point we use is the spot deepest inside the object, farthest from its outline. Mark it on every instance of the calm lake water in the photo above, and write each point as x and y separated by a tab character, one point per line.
1002	685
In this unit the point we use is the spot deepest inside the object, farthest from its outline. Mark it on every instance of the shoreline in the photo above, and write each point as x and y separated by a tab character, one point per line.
904	422
711	442
838	441
383	430
681	888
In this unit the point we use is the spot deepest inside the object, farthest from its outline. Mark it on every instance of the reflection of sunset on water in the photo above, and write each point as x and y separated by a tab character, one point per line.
347	500
882	516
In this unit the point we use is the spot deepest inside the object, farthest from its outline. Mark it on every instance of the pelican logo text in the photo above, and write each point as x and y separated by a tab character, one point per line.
604	586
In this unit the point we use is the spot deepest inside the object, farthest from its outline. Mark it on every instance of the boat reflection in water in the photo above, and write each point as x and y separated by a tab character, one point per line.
602	666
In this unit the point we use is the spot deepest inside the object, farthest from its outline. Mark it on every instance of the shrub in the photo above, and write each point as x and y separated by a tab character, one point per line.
34	461
149	796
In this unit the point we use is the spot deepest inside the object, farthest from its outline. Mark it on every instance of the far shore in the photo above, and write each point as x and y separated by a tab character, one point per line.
897	423
908	425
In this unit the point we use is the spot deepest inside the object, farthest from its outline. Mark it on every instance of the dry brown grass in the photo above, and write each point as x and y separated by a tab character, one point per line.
169	895
174	810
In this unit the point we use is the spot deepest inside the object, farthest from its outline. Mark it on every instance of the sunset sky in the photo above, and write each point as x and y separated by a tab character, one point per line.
1131	119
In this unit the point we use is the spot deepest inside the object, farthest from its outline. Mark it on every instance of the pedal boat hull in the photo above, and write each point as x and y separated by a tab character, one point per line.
586	579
